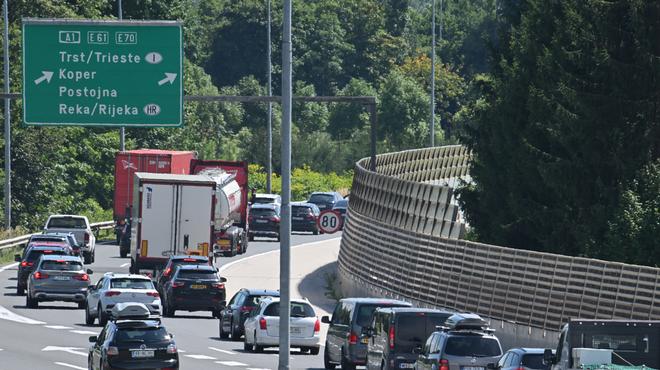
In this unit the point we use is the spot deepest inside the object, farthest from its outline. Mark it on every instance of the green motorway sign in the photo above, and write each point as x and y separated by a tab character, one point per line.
102	73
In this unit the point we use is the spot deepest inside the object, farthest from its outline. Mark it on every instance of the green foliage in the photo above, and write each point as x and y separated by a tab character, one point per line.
304	181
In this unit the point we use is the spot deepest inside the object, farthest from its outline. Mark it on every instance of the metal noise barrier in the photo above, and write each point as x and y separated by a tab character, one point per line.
9	243
395	242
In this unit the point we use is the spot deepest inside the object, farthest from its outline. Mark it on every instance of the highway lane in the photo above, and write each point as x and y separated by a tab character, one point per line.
54	336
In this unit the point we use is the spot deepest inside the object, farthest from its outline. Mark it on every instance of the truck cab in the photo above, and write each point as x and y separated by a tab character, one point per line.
628	341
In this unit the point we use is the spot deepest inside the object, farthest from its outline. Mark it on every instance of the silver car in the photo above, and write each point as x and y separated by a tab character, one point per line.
58	278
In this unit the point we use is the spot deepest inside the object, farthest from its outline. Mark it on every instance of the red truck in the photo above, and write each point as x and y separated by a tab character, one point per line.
230	237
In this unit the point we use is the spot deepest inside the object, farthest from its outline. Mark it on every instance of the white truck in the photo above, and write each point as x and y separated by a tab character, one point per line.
79	226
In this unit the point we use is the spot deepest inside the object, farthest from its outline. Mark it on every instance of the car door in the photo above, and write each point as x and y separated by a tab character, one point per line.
93	295
423	358
338	330
97	350
228	312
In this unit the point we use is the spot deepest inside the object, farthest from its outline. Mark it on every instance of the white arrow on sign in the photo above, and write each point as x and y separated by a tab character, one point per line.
46	75
72	350
169	77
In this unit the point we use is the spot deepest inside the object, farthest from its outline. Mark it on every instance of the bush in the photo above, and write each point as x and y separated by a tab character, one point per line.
304	181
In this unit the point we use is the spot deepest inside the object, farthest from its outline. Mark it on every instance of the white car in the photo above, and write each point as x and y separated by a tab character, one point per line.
262	327
79	227
113	288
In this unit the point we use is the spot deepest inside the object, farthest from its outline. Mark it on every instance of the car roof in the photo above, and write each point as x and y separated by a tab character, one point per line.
303	204
114	275
266	195
325	193
375	301
52	235
195	267
265	205
48	243
255	291
534	351
67	216
60	258
413	310
184	256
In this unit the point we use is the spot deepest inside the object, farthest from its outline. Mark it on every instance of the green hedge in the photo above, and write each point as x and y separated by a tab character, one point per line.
304	181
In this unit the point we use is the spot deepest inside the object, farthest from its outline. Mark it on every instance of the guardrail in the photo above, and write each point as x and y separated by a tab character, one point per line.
9	243
397	242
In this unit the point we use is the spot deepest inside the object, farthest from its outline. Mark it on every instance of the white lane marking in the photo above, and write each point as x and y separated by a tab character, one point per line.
223	351
223	268
5	314
72	350
84	332
125	265
230	363
71	366
256	368
201	357
3	268
57	327
181	351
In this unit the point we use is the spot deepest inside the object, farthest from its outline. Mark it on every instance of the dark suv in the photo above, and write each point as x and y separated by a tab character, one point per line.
465	341
239	307
264	220
133	342
304	216
325	200
172	263
396	335
343	343
194	288
31	258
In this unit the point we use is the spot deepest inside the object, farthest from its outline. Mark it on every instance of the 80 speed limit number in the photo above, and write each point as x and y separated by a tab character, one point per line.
329	221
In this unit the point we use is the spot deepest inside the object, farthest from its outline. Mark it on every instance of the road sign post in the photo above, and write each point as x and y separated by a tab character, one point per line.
102	73
329	221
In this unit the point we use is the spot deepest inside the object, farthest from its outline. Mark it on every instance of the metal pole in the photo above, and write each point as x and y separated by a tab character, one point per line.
374	126
7	122
270	114
122	132
432	124
285	223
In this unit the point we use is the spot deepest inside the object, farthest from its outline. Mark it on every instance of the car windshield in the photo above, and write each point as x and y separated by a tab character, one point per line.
128	283
321	198
141	335
534	361
67	223
298	309
35	255
300	210
262	212
197	275
472	346
341	203
61	265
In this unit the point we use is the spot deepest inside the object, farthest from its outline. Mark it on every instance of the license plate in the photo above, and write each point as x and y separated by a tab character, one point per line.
406	366
224	242
472	368
297	218
198	286
261	221
364	340
62	278
142	354
295	330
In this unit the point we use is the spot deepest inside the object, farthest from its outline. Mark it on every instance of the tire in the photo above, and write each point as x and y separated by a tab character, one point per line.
123	253
257	348
30	302
247	347
326	359
168	311
235	333
315	232
103	317
345	364
87	258
278	238
382	366
82	305
314	351
94	255
251	238
223	335
89	319
20	290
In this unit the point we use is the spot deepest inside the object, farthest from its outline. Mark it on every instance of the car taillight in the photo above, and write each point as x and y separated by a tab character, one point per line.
352	338
177	284
444	364
112	293
153	294
112	351
48	252
83	277
274	219
25	264
40	275
86	238
171	349
317	326
262	323
520	368
189	260
391	337
167	272
218	285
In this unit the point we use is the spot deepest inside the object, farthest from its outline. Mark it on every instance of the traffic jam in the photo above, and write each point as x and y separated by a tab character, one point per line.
178	216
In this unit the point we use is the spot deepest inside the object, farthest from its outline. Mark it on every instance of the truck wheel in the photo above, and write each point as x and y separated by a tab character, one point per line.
315	232
20	290
87	257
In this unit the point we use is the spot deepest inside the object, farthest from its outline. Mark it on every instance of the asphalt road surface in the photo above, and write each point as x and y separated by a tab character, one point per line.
54	336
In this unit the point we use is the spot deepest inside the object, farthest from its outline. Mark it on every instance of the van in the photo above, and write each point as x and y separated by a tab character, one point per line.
396	335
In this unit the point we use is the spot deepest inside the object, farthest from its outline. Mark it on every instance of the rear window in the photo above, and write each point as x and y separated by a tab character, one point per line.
341	203
141	335
197	274
253	300
297	310
472	346
67	223
321	198
35	255
61	265
264	200
411	332
301	210
128	283
176	263
262	212
365	312
534	362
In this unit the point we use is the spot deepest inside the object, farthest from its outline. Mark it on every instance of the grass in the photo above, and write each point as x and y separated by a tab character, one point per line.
7	255
332	286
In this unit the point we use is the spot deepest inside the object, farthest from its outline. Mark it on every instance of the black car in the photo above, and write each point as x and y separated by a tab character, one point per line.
239	307
67	238
30	259
341	206
264	220
325	200
172	263
194	288
344	344
133	343
304	217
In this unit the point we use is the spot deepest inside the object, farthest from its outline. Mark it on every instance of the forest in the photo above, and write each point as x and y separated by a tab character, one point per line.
557	100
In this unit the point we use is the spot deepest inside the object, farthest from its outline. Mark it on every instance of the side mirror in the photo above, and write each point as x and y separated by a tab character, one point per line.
218	253
417	350
91	287
325	319
93	339
548	357
171	335
492	366
223	279
89	271
17	258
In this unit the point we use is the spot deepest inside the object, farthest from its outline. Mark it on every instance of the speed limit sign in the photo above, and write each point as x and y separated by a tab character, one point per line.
329	221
